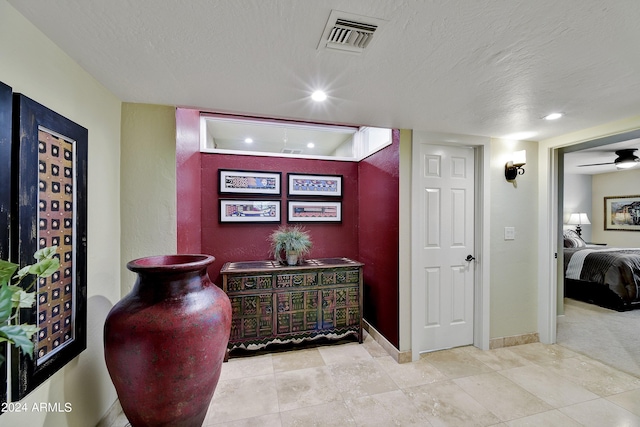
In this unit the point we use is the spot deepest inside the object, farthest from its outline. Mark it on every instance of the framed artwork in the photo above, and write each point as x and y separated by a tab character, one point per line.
301	211
249	182
250	211
6	95
51	210
314	185
622	213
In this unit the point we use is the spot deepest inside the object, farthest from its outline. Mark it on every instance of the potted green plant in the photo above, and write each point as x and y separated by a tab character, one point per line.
13	297
291	241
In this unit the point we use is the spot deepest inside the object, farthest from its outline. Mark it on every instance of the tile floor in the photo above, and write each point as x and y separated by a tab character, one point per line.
360	385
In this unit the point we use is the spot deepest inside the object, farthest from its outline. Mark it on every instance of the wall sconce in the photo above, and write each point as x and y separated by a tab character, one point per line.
577	219
514	167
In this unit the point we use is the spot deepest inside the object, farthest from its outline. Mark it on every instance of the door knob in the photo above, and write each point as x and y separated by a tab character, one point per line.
469	258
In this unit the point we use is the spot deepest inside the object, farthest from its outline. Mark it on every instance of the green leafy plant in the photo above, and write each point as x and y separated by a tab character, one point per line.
290	240
13	297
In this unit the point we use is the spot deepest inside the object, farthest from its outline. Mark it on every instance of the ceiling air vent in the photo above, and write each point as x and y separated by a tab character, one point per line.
291	151
349	32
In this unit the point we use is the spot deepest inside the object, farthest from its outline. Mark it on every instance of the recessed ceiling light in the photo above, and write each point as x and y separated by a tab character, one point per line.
248	140
553	116
318	96
311	145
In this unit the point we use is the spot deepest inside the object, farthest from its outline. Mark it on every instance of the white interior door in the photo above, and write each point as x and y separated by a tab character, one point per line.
443	300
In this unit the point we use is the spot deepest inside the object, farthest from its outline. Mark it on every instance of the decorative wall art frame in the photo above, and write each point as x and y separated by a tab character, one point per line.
6	95
622	213
303	211
249	182
51	167
314	185
250	211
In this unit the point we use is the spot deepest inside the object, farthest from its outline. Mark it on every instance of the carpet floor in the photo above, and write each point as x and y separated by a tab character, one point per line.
608	336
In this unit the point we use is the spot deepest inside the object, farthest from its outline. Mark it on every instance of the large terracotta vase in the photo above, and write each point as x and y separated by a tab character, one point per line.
166	340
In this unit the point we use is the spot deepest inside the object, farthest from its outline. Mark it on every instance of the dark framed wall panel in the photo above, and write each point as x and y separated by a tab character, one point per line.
5	202
51	158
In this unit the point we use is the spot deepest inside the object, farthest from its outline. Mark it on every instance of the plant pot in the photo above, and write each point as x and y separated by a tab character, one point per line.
166	340
292	258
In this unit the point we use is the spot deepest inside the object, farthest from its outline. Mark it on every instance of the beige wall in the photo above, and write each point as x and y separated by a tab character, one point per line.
148	184
35	67
621	183
514	263
404	266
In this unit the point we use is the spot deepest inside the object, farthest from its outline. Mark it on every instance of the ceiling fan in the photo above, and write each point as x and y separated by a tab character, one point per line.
625	160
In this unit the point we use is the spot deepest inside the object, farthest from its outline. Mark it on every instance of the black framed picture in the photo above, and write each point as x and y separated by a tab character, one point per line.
6	95
249	182
622	213
51	211
250	211
303	211
314	185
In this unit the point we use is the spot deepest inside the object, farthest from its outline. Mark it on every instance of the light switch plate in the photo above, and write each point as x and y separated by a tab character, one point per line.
509	233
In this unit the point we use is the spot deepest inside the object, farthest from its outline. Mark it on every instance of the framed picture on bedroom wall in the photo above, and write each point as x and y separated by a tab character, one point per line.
314	185
51	210
622	213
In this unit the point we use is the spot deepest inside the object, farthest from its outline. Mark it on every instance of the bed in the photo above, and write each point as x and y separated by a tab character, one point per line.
609	277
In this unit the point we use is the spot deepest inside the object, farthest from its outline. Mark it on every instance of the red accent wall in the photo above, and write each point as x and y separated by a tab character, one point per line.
378	178
368	232
245	242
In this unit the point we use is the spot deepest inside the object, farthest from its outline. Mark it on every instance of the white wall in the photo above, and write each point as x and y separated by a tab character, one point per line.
514	263
577	198
621	183
32	65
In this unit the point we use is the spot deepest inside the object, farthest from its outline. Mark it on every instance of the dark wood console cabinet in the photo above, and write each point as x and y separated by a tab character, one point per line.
274	303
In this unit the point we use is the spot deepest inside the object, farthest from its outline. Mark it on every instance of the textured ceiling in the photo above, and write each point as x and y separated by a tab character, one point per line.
489	68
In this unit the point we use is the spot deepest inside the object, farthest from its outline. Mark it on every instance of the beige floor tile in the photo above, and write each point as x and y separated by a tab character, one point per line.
499	358
343	353
373	348
542	353
306	387
501	396
629	400
456	363
120	421
601	412
248	366
594	376
333	414
386	409
444	403
553	418
271	420
410	374
551	388
297	359
243	398
361	378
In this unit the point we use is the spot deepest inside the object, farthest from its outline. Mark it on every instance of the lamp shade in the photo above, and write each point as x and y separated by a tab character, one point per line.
578	218
519	157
